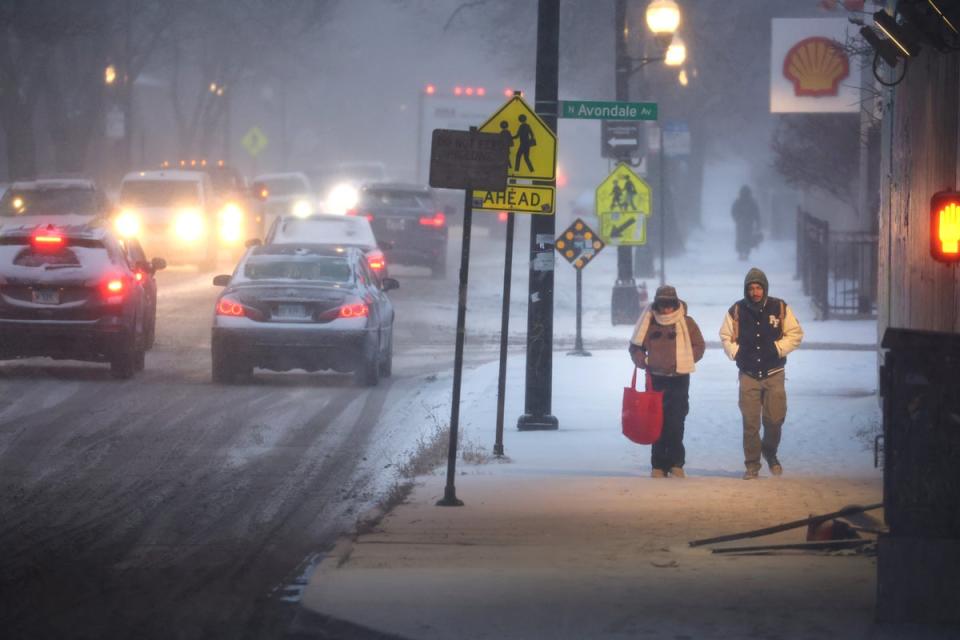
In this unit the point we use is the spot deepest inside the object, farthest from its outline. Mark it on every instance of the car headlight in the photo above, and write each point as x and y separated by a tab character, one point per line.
128	224
342	197
301	208
189	225
231	223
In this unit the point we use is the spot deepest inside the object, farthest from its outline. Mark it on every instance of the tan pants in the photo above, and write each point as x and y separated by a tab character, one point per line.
762	401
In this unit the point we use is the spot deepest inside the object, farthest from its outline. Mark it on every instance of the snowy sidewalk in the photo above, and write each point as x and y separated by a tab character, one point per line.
568	537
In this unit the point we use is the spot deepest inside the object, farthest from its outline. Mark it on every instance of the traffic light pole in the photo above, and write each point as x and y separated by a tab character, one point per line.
625	300
539	382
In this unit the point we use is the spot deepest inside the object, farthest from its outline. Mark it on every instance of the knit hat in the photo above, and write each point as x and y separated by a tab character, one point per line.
666	293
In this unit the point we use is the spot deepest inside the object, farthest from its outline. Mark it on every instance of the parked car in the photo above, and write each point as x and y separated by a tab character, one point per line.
328	228
305	307
71	292
58	201
171	212
407	222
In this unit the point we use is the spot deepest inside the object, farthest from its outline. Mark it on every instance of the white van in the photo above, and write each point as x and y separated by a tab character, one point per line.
172	213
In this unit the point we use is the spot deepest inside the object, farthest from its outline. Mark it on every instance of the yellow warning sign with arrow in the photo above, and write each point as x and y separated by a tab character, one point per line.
622	204
531	162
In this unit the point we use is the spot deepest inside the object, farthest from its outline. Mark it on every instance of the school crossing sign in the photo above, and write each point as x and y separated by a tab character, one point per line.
622	203
531	162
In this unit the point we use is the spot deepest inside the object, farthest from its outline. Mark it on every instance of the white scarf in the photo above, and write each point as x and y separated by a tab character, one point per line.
684	346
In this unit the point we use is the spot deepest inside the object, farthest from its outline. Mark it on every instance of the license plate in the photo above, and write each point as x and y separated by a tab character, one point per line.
46	296
395	224
291	311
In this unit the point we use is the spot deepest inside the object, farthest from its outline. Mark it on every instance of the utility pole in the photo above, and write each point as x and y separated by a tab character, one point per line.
625	300
539	382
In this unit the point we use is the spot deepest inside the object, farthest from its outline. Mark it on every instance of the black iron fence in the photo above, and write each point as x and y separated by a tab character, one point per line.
838	269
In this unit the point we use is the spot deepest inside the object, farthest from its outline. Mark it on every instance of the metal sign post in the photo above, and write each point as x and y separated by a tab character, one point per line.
579	244
504	334
464	160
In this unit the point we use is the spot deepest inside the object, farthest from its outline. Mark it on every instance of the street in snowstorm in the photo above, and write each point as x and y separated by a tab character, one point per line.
514	319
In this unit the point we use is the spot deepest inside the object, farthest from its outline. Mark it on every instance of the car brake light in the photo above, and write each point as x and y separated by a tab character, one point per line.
436	220
229	307
355	310
113	288
355	212
376	260
47	239
139	276
502	216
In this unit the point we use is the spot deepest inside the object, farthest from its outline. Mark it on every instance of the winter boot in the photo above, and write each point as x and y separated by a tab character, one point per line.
677	472
658	473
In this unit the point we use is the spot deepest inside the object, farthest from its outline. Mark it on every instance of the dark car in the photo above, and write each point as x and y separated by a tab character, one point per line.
72	293
408	224
58	201
306	306
329	228
145	273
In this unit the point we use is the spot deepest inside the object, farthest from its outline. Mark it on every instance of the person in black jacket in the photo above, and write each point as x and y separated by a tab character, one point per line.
746	215
758	332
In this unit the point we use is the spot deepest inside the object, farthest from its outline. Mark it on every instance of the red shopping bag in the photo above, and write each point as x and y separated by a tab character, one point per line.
642	415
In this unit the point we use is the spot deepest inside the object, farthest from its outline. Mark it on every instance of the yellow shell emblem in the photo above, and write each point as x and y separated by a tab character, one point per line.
816	66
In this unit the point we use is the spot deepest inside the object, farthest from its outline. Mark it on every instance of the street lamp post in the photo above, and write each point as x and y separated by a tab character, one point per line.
663	19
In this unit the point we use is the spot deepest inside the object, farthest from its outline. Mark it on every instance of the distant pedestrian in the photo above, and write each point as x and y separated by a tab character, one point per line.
746	215
758	332
527	141
667	342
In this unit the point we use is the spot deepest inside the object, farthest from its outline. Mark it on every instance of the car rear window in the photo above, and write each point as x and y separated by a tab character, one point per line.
308	268
340	230
396	198
78	254
160	193
62	201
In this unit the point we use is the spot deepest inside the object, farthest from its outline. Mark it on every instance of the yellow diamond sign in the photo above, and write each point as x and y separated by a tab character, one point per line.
254	141
622	203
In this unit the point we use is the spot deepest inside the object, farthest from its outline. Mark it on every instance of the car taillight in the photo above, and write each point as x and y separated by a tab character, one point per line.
377	261
355	310
502	216
113	289
436	220
229	307
138	275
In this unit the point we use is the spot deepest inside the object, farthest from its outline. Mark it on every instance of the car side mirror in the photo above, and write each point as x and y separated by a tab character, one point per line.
253	242
389	284
221	280
158	264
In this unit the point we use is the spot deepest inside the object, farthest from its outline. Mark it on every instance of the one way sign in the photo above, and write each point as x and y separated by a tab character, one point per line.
619	139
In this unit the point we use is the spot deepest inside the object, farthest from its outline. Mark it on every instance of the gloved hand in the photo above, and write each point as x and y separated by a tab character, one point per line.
639	358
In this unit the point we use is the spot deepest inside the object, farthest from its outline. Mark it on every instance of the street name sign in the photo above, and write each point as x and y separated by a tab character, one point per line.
531	165
579	244
591	110
468	160
622	203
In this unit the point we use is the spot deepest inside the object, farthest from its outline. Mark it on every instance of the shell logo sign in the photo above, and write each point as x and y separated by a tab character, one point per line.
809	70
816	66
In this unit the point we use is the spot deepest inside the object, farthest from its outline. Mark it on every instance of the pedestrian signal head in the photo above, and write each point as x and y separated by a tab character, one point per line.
945	226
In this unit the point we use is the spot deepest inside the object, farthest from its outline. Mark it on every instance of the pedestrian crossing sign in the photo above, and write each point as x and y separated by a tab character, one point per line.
622	204
533	146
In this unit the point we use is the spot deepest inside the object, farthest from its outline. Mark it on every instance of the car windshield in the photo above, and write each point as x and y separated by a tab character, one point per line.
225	179
30	202
396	198
159	193
284	186
333	230
300	268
